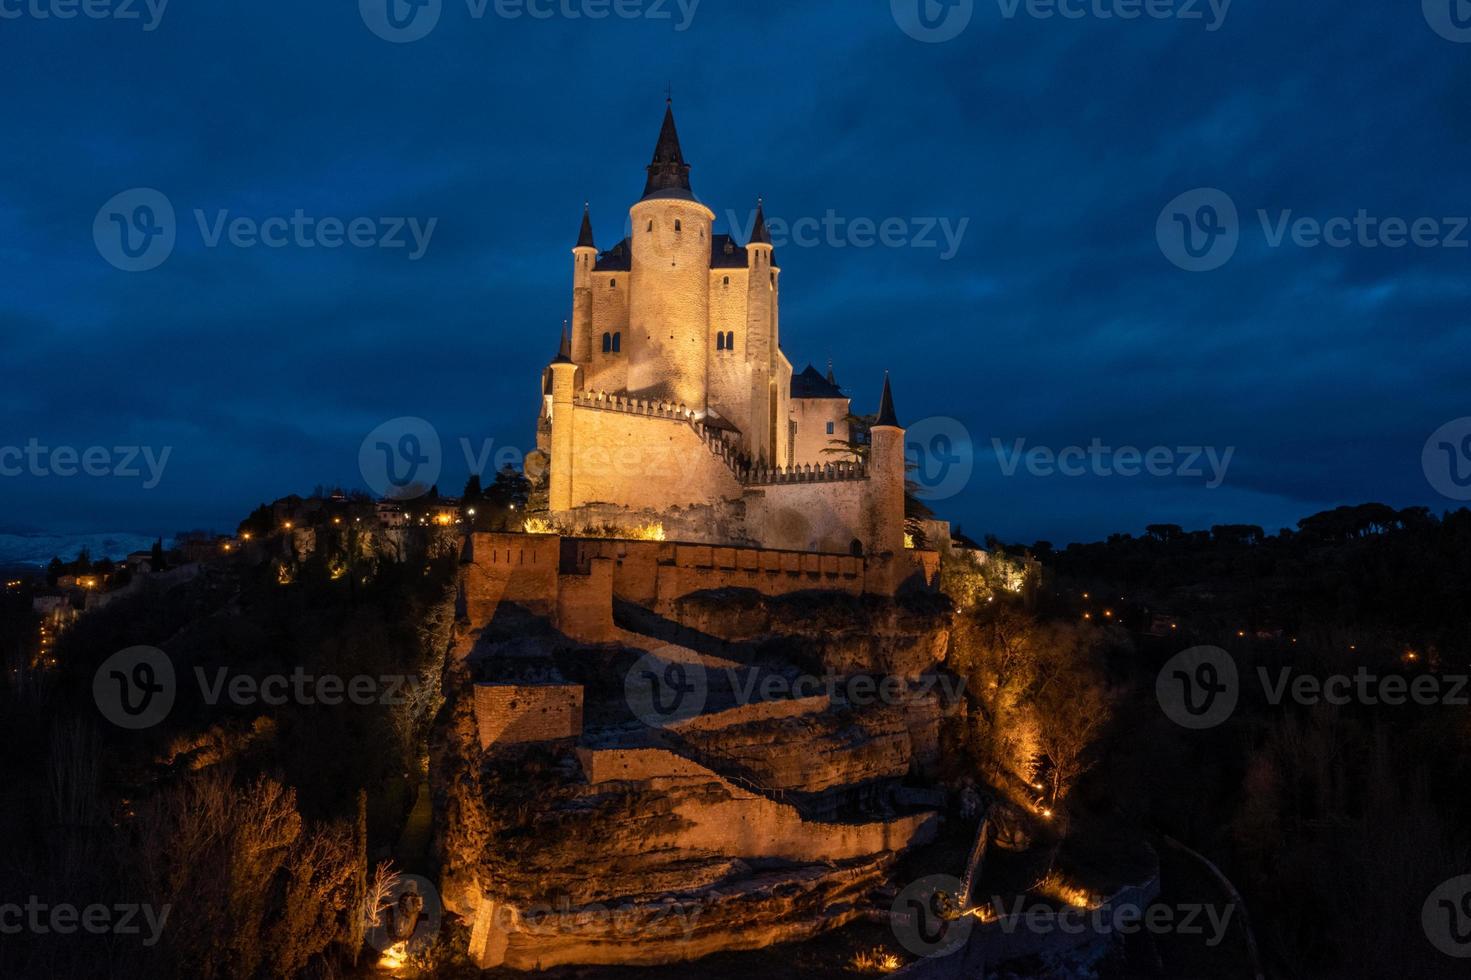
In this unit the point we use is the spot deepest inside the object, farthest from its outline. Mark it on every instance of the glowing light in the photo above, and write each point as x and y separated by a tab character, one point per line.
288	525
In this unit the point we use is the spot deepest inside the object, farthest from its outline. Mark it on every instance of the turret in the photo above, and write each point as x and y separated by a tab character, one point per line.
886	473
761	342
564	386
669	300
584	257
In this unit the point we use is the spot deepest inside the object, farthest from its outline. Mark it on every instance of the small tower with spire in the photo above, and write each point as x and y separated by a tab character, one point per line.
584	260
886	472
564	387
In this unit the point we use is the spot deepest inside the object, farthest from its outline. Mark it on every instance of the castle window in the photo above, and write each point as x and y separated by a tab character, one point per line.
607	342
618	342
651	225
678	225
730	340
719	340
829	428
727	280
612	283
773	278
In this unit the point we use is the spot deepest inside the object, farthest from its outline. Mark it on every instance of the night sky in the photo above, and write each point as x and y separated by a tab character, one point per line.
1055	143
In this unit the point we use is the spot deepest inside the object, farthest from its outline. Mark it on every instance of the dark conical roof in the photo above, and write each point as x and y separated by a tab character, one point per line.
760	234
584	237
886	414
564	351
669	175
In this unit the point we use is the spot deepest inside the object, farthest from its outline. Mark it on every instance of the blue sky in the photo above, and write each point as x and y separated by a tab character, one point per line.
1060	318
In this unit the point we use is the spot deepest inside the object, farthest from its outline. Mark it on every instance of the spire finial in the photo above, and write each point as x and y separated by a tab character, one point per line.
886	414
584	235
564	351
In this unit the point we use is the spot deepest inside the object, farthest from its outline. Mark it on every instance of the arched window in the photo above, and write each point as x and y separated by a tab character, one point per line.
727	280
607	342
612	283
651	224
678	225
730	340
720	340
618	342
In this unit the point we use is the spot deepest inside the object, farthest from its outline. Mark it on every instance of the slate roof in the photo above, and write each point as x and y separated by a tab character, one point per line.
811	384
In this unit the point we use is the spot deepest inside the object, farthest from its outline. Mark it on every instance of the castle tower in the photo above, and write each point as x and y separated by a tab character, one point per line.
886	472
761	341
669	301
584	257
564	385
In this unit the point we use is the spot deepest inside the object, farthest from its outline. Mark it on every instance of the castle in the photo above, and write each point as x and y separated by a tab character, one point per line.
671	401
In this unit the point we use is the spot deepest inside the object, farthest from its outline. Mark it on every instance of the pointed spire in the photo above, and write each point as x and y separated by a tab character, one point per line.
830	379
584	237
669	175
886	414
760	234
564	352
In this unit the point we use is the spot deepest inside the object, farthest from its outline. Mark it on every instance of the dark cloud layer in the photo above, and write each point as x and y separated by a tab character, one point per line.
1058	321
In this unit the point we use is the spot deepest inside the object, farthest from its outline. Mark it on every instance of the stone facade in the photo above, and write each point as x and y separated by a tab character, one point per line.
513	714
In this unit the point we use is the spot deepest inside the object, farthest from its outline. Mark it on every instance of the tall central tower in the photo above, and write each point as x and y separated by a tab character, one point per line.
669	299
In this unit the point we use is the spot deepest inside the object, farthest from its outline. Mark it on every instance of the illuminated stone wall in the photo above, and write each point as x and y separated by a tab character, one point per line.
513	714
